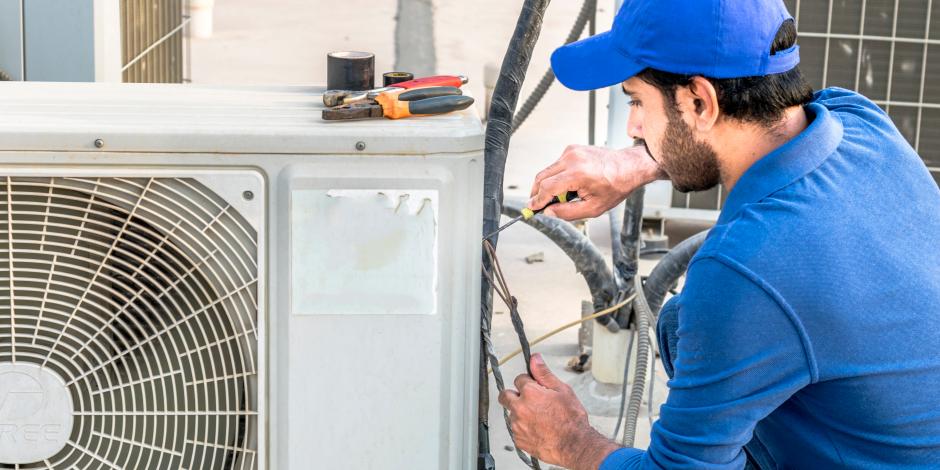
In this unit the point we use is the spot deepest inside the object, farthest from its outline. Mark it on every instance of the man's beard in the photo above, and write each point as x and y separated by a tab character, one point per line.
691	165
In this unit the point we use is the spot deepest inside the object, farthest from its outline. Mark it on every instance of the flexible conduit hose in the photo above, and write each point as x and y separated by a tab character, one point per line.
498	132
644	343
588	7
615	218
646	306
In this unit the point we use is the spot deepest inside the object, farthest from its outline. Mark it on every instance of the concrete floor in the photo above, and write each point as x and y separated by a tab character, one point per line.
286	41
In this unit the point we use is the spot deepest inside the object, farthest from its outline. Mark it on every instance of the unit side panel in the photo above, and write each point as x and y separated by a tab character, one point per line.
382	287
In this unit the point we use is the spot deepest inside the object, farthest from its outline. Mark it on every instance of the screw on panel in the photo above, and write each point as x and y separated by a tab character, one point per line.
248	195
360	146
99	143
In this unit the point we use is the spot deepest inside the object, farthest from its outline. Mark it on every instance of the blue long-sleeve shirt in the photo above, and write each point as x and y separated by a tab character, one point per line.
811	315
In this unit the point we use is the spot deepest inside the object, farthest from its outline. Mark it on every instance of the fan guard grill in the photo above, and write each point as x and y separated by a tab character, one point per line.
141	294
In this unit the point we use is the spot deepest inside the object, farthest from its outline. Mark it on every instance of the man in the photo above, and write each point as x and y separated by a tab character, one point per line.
808	331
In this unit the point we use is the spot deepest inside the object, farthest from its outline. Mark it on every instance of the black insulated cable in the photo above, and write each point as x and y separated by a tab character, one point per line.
588	8
498	133
498	281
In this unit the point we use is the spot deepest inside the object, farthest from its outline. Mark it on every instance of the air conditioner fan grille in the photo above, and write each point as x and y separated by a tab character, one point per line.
141	294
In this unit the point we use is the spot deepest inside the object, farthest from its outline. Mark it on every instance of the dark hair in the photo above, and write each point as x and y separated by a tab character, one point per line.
760	100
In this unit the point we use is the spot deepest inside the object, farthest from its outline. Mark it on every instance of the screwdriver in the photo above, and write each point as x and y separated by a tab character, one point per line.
529	213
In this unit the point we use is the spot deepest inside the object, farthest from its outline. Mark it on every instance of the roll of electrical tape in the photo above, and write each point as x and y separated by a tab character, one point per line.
391	78
350	70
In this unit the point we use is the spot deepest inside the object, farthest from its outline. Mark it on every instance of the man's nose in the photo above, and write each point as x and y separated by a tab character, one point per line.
634	127
635	132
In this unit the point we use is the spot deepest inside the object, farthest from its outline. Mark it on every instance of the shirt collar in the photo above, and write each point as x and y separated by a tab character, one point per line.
788	163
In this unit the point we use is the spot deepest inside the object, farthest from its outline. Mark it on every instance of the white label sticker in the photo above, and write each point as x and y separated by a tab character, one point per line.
364	252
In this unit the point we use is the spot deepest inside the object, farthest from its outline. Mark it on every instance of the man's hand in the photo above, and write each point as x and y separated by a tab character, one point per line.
601	176
550	423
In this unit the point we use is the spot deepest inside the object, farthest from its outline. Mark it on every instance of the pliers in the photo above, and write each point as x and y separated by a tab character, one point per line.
334	98
397	104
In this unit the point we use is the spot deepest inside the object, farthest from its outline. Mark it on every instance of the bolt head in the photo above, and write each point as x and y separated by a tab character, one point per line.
248	195
360	146
99	143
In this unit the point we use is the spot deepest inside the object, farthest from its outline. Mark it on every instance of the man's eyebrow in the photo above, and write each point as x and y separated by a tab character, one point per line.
627	92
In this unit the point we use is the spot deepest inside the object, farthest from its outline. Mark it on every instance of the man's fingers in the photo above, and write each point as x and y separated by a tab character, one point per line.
549	188
543	375
571	210
549	171
507	397
523	380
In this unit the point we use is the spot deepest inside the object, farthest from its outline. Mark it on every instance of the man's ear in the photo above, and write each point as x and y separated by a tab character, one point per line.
700	100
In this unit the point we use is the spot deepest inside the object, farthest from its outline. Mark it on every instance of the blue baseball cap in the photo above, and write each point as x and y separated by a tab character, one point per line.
712	38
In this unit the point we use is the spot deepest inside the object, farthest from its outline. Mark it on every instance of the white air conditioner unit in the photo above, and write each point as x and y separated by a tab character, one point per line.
214	278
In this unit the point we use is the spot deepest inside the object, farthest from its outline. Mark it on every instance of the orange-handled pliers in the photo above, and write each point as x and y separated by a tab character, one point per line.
397	104
334	98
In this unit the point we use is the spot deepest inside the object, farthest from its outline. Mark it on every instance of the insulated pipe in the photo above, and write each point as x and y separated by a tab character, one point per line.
627	259
502	108
588	260
615	217
670	268
498	132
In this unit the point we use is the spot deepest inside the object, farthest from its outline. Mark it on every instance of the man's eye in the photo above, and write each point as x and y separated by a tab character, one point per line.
634	103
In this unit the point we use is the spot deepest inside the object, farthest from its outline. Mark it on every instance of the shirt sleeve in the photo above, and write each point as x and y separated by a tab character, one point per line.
740	355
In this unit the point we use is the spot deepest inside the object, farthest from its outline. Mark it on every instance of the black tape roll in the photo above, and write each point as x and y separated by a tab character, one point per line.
350	70
391	78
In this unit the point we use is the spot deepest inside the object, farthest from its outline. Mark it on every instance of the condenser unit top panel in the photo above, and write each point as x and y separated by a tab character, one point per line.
211	119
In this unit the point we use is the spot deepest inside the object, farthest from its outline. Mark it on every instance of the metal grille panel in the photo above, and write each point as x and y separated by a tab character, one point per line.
153	40
141	294
887	50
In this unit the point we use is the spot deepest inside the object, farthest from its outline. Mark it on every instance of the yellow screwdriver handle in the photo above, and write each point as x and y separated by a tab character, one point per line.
562	198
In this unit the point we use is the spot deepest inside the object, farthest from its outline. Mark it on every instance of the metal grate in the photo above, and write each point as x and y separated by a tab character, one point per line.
154	43
888	50
136	299
713	199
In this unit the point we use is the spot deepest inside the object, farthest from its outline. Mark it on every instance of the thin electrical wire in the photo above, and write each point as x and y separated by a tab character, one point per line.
498	282
570	324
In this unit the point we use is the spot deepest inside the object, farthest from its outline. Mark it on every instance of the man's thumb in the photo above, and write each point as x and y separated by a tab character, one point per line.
542	374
